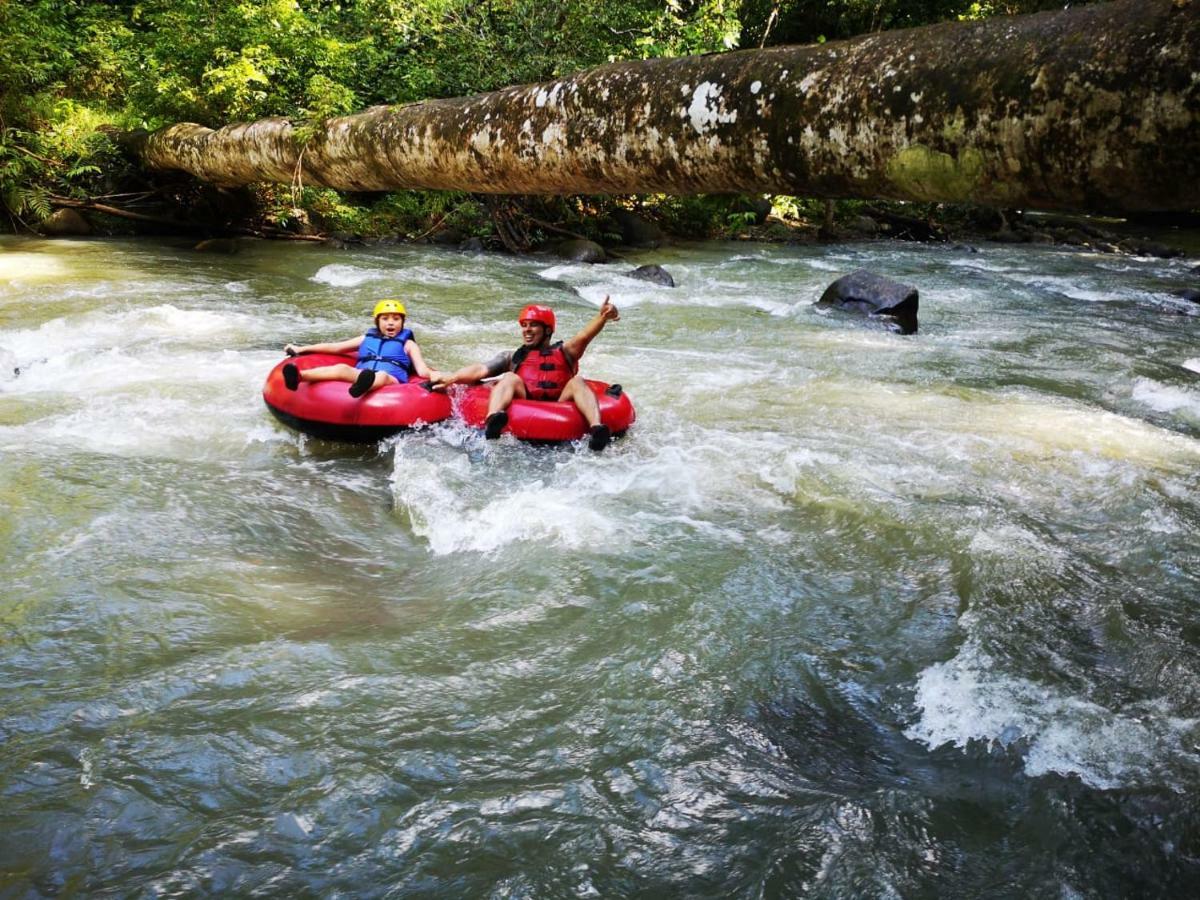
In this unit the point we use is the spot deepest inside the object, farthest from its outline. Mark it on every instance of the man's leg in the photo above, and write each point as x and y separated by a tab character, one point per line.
509	387
578	392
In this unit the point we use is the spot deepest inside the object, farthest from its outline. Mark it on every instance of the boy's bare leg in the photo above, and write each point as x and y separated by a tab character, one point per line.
340	372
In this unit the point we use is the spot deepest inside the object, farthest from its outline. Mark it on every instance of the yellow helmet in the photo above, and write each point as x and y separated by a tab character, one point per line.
388	306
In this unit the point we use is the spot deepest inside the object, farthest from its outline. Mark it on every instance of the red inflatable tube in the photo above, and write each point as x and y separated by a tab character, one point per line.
325	409
546	421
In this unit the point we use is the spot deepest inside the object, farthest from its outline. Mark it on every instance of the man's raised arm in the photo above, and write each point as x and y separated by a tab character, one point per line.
576	345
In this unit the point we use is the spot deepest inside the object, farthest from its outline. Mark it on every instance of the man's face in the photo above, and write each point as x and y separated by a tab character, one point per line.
532	333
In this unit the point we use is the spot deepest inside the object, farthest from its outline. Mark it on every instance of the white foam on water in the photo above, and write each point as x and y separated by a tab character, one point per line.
568	498
784	474
1167	398
695	287
342	275
981	263
456	513
968	698
464	325
1159	521
1192	365
445	275
569	272
628	293
1009	553
143	330
1067	285
152	381
592	285
1020	423
100	353
9	365
829	265
149	426
19	267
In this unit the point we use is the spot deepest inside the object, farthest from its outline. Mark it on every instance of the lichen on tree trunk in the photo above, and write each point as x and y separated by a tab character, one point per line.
1088	109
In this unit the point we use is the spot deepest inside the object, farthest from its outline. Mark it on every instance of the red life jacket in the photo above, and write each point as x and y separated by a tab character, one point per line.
545	372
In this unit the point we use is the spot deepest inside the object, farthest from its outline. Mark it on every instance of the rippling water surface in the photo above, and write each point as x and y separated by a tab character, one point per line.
845	614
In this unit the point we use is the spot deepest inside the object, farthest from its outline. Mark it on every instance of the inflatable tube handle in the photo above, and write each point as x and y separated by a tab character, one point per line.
613	390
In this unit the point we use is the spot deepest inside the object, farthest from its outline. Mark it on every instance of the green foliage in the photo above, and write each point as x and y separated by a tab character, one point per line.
776	22
683	28
68	66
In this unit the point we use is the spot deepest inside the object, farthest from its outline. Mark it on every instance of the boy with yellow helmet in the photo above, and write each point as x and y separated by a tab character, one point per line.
387	353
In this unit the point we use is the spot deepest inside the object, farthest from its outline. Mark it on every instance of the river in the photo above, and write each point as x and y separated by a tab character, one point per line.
845	614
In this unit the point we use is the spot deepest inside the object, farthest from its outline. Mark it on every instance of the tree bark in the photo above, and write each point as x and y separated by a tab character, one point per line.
1092	109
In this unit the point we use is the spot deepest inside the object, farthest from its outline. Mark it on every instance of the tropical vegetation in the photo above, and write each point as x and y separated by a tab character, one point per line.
75	74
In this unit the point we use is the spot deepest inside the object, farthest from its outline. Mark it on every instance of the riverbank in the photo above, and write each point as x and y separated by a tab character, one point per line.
527	224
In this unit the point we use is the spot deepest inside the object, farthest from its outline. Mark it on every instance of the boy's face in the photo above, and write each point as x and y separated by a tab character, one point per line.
389	323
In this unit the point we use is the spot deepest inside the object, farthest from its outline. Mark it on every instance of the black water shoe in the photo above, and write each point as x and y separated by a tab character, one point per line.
363	383
601	435
291	377
494	424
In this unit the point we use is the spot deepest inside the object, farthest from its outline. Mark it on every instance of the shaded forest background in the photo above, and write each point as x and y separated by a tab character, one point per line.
75	74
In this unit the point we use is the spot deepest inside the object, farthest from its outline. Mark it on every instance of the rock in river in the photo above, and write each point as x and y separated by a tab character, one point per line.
655	274
874	295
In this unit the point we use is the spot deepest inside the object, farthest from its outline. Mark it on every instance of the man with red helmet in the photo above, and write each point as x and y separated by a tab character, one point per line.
540	370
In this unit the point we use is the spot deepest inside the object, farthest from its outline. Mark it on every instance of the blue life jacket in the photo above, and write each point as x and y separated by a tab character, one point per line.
382	354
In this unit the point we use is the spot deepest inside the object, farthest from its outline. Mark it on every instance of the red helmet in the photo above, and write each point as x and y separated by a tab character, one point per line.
532	313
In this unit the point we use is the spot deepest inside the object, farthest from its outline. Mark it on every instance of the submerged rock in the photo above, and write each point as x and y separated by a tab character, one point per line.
65	223
471	245
581	251
447	237
655	274
1150	248
874	295
342	240
863	225
1189	294
228	246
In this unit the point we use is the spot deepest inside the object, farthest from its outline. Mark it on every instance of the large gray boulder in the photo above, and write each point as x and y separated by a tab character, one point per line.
581	251
874	295
636	231
654	274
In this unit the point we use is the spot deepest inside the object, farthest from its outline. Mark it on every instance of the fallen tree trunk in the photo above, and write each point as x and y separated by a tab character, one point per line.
1092	109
